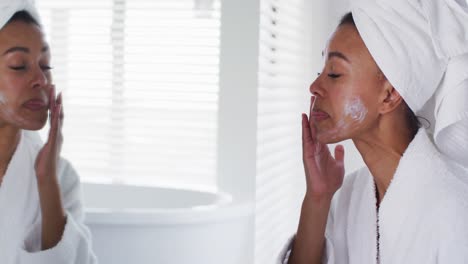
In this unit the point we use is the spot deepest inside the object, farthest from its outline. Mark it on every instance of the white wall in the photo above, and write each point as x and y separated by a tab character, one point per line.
237	121
237	116
336	10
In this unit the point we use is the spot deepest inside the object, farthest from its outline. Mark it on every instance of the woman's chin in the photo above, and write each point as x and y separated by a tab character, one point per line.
36	124
32	127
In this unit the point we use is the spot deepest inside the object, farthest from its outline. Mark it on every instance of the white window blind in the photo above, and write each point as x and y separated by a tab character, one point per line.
282	95
140	84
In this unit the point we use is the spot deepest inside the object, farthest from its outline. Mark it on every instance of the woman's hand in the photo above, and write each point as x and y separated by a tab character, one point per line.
324	174
47	159
53	214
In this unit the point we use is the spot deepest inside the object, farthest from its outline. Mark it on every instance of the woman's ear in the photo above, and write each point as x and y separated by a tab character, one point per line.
390	98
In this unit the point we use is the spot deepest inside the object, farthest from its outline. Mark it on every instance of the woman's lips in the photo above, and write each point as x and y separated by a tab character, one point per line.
35	104
319	115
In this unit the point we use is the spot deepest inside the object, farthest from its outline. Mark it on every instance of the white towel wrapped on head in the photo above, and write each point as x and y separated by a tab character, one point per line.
422	48
10	7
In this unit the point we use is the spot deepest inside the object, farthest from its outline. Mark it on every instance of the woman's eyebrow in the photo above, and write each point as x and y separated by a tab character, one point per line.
23	49
338	55
16	49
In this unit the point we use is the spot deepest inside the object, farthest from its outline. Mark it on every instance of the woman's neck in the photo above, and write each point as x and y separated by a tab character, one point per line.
9	139
382	150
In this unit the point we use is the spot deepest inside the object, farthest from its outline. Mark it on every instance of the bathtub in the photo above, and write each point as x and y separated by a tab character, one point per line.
139	225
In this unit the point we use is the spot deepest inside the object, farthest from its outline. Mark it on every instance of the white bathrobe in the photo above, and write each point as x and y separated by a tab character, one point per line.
20	213
423	217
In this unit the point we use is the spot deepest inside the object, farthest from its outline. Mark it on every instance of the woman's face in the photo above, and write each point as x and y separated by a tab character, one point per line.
24	76
347	90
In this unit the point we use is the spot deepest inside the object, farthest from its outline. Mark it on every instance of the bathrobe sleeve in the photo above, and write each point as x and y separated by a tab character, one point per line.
328	256
75	244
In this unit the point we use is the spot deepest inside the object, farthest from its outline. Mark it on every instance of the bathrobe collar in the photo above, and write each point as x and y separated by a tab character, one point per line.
19	187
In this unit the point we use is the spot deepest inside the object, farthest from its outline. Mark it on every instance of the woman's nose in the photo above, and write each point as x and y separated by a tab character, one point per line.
315	87
40	78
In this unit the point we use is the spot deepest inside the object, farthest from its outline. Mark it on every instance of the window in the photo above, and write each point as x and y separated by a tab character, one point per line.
140	84
282	96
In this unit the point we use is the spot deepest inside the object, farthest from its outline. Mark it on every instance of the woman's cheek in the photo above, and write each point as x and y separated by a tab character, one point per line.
355	110
3	99
353	114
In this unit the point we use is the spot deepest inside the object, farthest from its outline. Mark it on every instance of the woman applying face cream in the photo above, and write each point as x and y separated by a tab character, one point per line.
42	214
409	204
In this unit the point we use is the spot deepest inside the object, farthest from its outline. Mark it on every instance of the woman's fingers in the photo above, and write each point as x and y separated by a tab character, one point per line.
61	113
55	120
59	98
53	125
312	127
308	127
306	135
58	138
339	154
51	103
60	117
52	100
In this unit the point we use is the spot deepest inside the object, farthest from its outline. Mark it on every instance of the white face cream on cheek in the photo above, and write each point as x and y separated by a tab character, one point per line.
355	109
2	99
9	114
340	126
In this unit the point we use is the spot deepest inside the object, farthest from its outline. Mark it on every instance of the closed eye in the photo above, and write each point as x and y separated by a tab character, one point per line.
46	68
334	76
17	68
